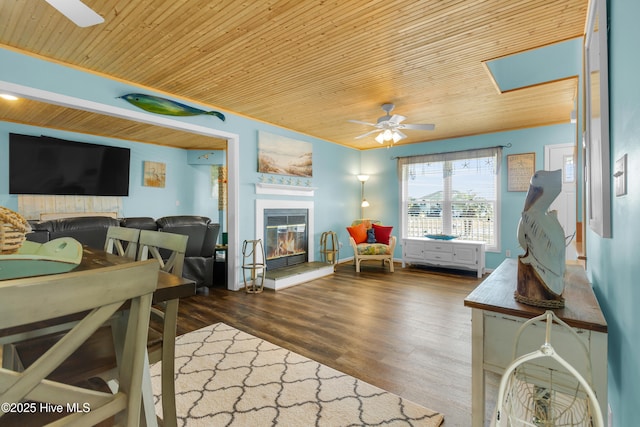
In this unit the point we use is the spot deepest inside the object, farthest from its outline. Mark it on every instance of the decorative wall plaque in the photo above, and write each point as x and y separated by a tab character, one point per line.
520	169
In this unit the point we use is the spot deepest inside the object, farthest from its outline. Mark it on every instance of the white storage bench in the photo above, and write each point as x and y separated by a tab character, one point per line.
462	254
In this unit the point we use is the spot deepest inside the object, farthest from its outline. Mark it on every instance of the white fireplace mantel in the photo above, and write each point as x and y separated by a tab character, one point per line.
284	189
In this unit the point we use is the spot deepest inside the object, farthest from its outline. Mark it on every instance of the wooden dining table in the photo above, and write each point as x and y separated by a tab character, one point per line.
169	290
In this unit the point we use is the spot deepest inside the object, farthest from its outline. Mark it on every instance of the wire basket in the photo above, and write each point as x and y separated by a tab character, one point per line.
541	389
538	399
13	230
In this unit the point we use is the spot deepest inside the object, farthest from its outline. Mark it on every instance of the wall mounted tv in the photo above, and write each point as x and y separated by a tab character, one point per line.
45	165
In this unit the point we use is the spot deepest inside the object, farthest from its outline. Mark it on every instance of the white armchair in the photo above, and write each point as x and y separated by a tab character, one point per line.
377	244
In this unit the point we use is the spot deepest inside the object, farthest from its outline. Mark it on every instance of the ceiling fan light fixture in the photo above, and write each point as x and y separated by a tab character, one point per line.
388	135
388	128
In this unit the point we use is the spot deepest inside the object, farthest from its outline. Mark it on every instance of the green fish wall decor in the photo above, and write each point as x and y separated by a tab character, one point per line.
158	105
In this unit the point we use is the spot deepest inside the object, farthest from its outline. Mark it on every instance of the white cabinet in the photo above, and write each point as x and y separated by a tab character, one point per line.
464	254
496	317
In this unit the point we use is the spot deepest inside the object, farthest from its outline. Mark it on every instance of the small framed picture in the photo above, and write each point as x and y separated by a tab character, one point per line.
520	169
154	174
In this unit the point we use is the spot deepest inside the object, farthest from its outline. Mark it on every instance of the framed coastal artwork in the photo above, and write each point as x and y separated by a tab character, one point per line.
154	174
284	156
596	136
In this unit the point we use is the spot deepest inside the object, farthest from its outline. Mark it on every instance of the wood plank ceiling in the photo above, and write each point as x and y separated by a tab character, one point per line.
306	65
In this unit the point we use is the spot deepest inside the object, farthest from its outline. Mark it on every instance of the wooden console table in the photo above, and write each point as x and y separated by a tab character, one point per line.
496	317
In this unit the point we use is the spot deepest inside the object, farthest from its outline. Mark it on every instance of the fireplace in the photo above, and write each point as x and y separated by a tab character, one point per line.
293	208
285	237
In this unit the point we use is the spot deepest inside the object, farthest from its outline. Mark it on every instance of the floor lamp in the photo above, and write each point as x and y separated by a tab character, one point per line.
363	203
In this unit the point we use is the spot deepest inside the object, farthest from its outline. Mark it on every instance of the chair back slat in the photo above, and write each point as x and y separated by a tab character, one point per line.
117	236
69	293
97	294
151	243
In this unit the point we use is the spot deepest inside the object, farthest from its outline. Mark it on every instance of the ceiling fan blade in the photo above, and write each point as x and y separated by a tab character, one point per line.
396	118
418	127
361	122
367	134
78	12
402	135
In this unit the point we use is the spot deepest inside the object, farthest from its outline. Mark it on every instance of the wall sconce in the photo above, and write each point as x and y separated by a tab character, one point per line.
363	203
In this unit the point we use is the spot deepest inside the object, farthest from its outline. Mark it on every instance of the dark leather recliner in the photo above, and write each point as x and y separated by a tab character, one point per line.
203	235
139	222
92	231
88	230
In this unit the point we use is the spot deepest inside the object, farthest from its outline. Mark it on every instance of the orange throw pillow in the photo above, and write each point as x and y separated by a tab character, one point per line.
358	232
382	233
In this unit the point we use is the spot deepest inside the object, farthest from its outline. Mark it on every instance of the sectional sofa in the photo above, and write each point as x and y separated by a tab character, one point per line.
92	231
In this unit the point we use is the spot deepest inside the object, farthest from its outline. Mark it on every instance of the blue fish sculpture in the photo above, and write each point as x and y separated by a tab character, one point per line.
158	105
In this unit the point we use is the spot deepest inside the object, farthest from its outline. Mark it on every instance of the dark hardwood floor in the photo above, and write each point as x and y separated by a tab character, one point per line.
407	332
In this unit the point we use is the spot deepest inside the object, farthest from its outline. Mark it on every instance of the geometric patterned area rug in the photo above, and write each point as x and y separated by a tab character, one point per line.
226	377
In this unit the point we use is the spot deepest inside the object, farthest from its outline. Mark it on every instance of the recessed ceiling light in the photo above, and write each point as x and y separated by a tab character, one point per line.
8	97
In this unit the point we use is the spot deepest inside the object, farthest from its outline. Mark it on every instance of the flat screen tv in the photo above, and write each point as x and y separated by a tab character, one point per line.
45	165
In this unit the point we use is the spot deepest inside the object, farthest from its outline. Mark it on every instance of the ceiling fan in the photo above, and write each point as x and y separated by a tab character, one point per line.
78	12
388	126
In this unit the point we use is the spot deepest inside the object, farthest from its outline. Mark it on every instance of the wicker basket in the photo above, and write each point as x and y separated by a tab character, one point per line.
13	228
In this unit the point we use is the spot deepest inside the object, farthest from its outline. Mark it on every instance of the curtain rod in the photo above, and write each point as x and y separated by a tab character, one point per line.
508	145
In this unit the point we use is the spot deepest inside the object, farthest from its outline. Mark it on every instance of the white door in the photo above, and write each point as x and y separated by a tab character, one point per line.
562	156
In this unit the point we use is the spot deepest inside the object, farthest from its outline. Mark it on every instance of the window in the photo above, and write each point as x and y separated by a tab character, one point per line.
453	193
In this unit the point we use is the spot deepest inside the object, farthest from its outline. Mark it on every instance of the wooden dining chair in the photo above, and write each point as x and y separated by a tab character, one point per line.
169	250
97	295
122	241
166	248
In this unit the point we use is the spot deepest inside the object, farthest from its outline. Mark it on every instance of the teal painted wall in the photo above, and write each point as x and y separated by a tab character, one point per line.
548	63
178	197
545	64
188	187
337	191
202	162
612	263
383	192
